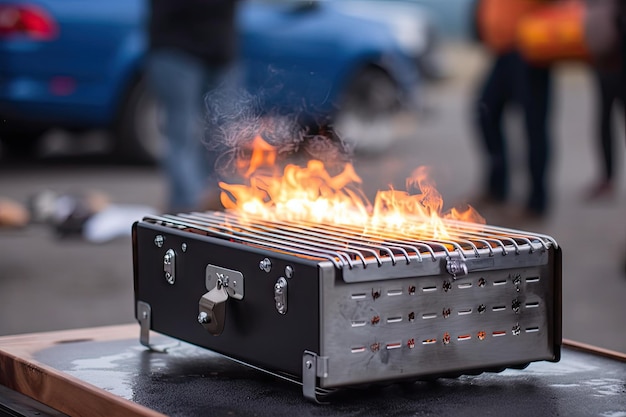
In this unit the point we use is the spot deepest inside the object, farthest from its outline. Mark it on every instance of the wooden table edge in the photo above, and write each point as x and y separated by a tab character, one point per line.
585	347
63	392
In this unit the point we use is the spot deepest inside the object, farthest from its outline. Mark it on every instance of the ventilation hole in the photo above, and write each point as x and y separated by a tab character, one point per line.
394	345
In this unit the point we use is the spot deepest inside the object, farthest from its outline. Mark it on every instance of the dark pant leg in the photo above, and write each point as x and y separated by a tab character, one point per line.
493	97
534	86
609	90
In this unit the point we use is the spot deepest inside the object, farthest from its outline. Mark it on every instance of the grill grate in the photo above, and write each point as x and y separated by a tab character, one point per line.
354	247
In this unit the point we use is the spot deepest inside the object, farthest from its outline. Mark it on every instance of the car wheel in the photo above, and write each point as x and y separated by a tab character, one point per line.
138	137
367	111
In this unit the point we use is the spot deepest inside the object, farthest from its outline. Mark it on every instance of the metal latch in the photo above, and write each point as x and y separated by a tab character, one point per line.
456	267
222	284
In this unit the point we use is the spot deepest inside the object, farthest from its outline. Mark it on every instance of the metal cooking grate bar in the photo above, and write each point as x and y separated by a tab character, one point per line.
310	237
295	234
329	231
298	231
246	231
247	238
345	244
359	234
491	231
342	251
474	234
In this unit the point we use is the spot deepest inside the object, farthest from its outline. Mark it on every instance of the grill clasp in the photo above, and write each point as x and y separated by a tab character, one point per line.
456	267
222	284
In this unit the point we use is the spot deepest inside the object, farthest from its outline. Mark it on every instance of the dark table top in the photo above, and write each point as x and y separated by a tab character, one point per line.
190	381
106	372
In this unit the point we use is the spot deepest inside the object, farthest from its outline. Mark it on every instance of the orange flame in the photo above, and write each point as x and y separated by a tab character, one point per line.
312	194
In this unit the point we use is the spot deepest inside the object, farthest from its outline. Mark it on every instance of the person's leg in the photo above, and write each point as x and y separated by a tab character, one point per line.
534	91
607	92
607	87
179	83
492	100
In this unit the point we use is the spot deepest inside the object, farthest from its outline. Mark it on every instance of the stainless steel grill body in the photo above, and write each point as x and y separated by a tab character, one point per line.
331	307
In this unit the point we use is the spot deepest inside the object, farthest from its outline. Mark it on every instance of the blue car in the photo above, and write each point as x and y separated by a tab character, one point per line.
77	65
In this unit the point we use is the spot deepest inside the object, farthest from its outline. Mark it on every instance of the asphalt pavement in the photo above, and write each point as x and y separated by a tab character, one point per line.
48	283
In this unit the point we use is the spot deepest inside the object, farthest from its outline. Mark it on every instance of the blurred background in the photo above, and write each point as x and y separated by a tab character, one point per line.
398	80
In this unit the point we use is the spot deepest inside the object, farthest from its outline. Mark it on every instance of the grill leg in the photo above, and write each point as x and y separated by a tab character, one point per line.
144	316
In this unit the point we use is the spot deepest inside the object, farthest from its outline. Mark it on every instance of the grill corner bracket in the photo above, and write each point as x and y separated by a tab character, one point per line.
313	366
144	316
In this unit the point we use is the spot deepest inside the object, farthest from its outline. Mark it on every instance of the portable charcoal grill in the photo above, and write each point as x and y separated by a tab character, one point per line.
332	307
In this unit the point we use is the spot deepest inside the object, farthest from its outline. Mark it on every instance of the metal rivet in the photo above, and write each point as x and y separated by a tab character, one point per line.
158	241
308	364
265	265
144	315
203	318
289	271
183	247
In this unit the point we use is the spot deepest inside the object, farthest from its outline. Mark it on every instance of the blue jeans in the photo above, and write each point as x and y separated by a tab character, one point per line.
180	82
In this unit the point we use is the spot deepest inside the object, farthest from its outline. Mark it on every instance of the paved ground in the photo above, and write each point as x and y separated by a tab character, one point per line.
48	284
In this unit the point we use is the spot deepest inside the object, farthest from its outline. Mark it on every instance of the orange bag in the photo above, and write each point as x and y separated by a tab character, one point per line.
554	32
497	21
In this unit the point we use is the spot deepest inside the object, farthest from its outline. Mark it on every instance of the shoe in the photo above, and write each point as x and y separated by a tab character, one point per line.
601	191
66	213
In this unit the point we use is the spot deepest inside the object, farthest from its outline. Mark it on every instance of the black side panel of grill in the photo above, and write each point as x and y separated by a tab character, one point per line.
254	331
